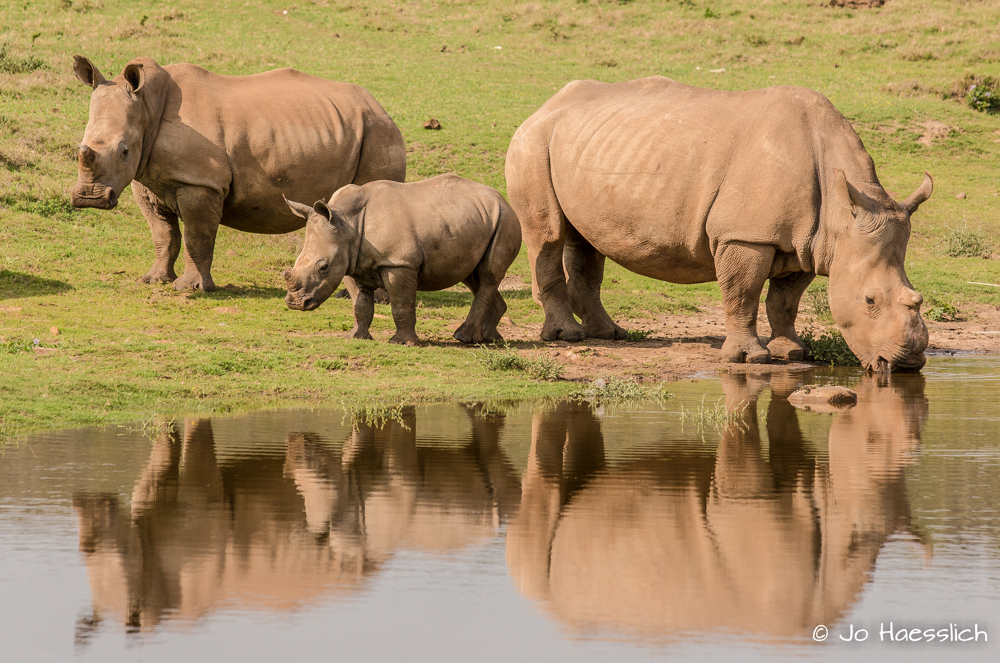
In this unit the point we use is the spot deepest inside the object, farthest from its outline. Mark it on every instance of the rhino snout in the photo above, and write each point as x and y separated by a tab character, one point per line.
93	195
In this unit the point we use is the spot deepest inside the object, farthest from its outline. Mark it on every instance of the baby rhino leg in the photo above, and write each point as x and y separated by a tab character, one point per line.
401	284
488	306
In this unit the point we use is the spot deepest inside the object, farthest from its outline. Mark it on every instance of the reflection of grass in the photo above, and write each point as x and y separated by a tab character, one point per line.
616	391
715	416
375	414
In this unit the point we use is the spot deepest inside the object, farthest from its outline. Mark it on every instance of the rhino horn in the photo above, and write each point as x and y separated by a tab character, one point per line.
87	156
87	72
920	195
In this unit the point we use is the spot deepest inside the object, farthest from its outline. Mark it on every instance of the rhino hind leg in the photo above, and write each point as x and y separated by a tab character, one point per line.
584	267
783	296
742	270
488	305
166	234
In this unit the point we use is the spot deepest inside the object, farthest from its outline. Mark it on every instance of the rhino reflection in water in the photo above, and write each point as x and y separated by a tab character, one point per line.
258	533
678	541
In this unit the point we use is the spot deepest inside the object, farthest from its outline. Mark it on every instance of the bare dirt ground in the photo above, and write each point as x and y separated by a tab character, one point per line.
684	346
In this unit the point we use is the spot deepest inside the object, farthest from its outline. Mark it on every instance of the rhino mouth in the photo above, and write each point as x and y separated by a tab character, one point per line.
94	195
300	302
881	365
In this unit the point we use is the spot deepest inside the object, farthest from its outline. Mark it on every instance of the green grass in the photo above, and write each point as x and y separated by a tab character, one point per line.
126	351
509	360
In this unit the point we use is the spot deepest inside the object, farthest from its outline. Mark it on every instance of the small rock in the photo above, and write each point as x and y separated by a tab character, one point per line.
432	124
507	321
54	330
823	399
961	196
717	71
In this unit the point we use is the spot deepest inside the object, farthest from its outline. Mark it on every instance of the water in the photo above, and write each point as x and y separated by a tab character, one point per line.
527	531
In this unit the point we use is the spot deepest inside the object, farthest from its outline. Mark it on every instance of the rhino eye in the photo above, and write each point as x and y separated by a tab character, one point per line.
124	153
869	300
322	267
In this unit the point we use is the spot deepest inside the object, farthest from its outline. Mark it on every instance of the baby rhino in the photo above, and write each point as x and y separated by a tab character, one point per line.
425	235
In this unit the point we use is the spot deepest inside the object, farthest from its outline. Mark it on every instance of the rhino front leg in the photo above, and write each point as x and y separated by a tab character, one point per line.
742	270
166	233
783	296
401	285
584	276
364	310
201	212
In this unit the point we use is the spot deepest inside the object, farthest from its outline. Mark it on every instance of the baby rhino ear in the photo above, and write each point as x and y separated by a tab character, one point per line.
321	208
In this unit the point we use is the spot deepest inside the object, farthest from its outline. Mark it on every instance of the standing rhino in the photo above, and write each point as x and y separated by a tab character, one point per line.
689	185
210	149
425	235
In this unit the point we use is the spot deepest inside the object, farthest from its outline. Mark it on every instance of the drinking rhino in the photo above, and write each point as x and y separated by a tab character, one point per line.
425	235
210	150
690	185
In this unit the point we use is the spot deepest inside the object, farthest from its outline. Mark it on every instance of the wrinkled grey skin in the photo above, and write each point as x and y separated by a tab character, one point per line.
427	235
690	185
214	150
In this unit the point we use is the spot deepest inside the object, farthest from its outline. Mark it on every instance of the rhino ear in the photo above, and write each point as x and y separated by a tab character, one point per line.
324	211
87	72
920	195
298	209
847	196
134	75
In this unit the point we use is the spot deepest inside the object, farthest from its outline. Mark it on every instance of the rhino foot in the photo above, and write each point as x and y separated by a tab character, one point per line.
410	340
158	276
783	347
469	335
611	332
362	335
570	332
750	353
194	283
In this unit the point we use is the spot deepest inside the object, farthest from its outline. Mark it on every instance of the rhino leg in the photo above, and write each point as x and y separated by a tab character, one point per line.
201	212
584	275
166	235
488	307
742	270
364	310
548	279
783	296
401	285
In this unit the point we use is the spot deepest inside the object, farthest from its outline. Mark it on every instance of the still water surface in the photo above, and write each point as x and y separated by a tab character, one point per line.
532	532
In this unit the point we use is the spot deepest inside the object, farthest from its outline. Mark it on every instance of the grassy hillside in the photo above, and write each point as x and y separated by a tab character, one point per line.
125	351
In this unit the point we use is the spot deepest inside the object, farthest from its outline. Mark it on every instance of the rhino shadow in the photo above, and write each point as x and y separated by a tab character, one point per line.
17	285
750	539
252	533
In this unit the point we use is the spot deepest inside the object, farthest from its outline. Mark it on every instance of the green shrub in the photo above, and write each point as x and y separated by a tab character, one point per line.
16	64
15	347
634	335
330	364
819	300
965	242
829	348
507	359
941	311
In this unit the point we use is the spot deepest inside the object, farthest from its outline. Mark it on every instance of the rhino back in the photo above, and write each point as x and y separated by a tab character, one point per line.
441	226
672	170
271	134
